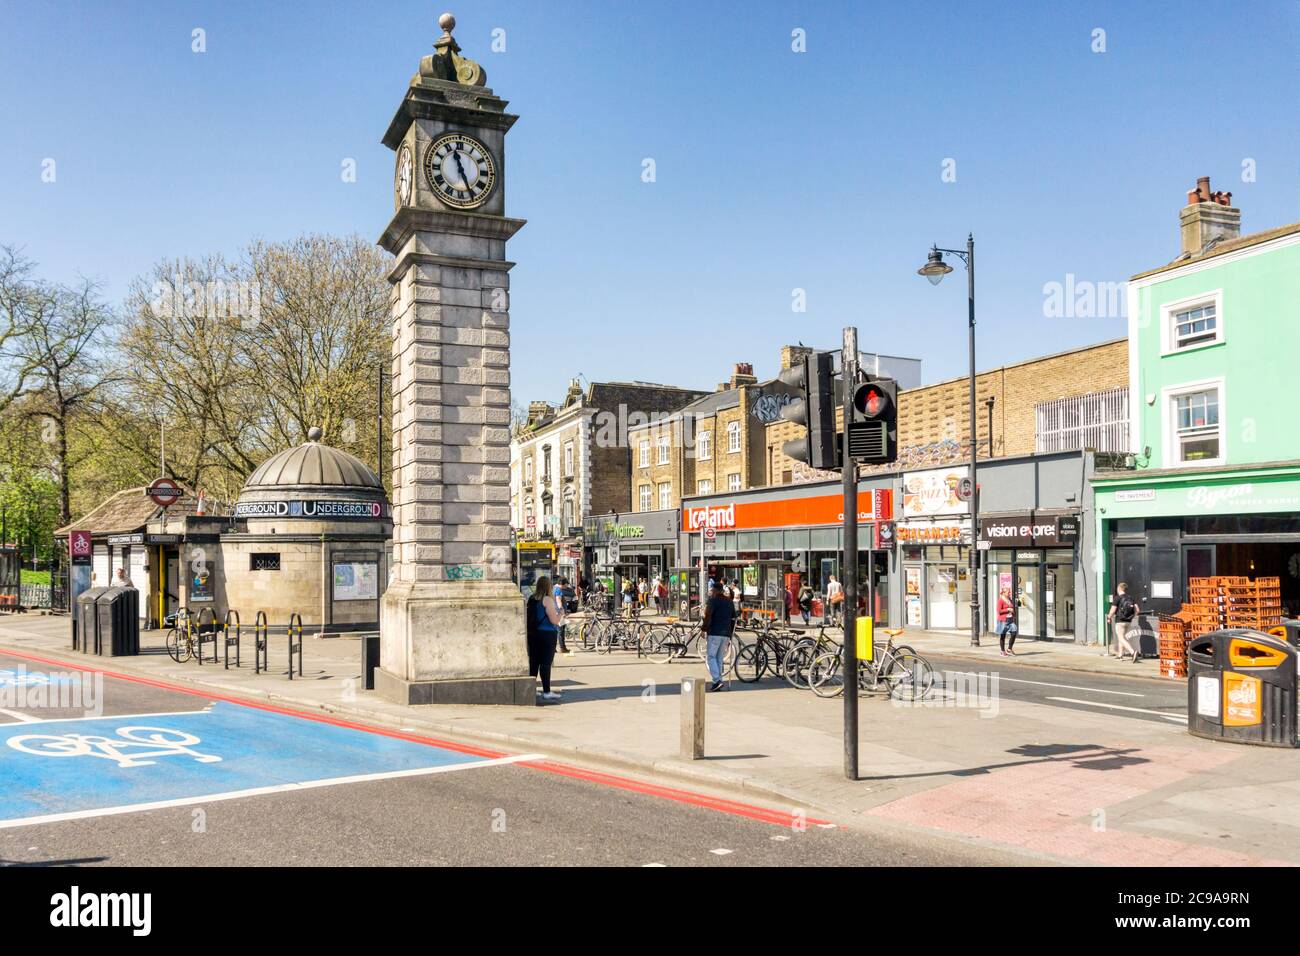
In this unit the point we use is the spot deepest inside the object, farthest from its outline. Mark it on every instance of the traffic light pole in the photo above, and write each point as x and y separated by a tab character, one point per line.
850	563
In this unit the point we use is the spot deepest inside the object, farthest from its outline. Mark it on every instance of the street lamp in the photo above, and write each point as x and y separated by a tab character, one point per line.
934	270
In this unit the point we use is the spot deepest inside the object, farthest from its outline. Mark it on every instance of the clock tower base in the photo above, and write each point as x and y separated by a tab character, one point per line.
461	642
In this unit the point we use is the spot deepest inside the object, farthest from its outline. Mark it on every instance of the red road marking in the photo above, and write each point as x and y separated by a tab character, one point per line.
749	811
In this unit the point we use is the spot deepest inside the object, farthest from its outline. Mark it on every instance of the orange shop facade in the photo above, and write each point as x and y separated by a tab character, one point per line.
764	535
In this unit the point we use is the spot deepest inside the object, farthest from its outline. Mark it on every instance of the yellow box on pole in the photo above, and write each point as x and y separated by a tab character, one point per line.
866	643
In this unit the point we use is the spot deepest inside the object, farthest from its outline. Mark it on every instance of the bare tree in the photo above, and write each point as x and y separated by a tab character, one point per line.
64	352
23	304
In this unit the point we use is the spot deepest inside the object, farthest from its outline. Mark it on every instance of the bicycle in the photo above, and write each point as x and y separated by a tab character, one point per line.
182	642
797	659
766	654
899	671
682	639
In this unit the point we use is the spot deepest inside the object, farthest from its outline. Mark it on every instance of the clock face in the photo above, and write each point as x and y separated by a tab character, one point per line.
460	170
404	178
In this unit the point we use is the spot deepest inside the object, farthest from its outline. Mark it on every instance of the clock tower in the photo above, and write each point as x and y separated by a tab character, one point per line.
451	621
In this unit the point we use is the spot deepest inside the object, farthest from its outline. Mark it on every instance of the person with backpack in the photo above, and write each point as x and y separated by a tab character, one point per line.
563	595
544	620
1008	627
1123	611
805	603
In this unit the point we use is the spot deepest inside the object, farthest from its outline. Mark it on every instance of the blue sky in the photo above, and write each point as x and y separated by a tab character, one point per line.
775	170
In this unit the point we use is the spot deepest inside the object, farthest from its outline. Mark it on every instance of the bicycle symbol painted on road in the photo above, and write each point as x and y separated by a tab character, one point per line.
133	746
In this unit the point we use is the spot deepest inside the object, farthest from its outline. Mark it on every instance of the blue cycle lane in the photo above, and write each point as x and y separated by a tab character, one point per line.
92	766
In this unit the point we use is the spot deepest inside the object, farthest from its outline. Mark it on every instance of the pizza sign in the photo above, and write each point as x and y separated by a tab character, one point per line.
164	492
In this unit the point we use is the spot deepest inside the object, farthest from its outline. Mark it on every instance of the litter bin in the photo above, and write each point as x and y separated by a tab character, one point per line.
1241	686
369	660
85	634
118	616
1288	630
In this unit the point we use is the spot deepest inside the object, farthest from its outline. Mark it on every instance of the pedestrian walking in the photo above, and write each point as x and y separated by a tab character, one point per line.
1008	628
834	600
561	593
544	620
805	603
737	595
1120	617
719	622
662	593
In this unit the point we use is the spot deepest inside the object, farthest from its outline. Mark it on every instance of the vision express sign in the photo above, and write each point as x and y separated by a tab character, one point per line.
1042	531
311	508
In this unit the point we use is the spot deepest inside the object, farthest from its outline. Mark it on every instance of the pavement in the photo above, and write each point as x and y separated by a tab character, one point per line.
1054	756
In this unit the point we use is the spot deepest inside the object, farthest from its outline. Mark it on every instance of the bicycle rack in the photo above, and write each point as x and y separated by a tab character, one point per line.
228	640
261	643
295	647
207	634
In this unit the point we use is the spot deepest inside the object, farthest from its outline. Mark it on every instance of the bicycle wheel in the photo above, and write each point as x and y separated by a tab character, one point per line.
177	646
672	647
794	666
908	677
749	663
826	675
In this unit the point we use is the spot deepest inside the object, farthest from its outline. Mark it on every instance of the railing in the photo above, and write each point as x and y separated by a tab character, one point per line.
1098	420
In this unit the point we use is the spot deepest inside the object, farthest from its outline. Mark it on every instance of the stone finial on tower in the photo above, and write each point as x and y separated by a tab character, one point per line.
446	63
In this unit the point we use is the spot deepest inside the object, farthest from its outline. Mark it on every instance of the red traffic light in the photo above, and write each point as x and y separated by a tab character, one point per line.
871	400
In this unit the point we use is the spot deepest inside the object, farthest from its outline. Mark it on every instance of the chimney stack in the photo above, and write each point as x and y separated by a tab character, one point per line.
792	355
743	374
1207	217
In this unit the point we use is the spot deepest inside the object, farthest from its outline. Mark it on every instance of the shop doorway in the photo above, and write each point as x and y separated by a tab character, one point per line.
1029	595
941	595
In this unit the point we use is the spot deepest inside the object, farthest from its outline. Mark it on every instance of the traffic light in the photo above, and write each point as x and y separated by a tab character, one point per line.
873	431
815	378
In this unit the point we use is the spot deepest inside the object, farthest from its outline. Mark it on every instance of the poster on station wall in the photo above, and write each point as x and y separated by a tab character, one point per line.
356	581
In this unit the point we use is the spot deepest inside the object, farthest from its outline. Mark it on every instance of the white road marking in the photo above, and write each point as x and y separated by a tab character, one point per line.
1176	718
66	720
1091	690
644	865
780	836
261	791
18	715
720	851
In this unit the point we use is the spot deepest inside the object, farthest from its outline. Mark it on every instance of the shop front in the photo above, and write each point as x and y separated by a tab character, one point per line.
1035	541
1160	528
639	545
1030	557
934	538
774	540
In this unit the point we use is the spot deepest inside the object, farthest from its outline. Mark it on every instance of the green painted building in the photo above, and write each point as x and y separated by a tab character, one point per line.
1213	483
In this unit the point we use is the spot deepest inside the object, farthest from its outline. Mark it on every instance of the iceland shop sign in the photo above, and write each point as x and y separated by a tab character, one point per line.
311	508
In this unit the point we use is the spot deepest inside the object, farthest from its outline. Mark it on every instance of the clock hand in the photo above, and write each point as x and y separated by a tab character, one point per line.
455	154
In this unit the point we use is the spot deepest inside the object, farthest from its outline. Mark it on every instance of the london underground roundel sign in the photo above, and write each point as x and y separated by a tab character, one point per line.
164	492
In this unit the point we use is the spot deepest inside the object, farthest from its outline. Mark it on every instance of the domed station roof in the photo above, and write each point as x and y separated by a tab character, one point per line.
313	464
311	472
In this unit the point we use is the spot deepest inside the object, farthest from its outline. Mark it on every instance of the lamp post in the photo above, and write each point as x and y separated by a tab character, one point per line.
934	270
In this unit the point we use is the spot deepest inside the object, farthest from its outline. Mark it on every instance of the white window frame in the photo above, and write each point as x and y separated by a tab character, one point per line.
733	437
1169	409
643	453
704	446
528	468
704	486
568	459
1168	344
733	481
665	444
665	494
645	498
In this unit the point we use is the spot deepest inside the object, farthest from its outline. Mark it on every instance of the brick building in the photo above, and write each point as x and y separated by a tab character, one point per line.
1061	402
712	443
572	460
